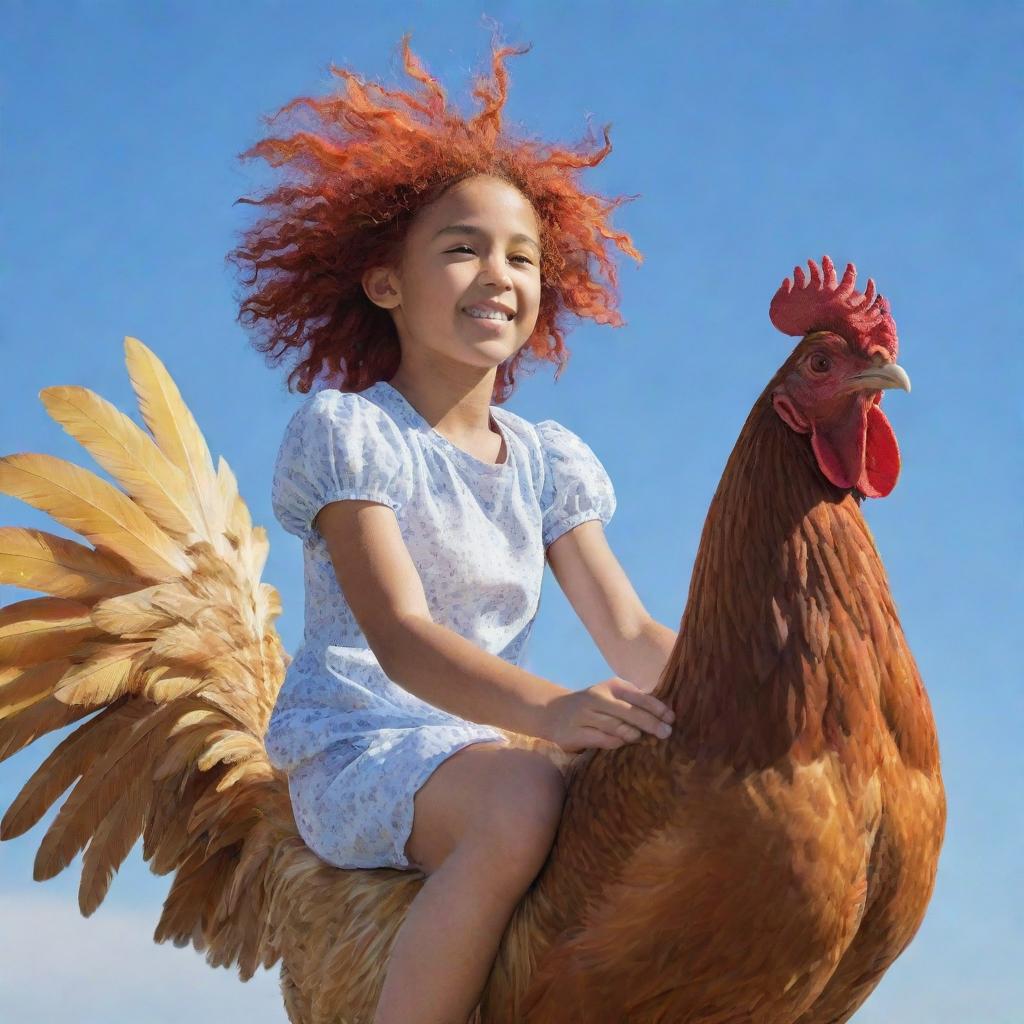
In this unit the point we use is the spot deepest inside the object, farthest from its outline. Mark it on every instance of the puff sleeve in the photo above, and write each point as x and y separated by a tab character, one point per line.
576	485
337	445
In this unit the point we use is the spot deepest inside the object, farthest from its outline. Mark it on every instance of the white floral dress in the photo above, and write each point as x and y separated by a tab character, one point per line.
355	745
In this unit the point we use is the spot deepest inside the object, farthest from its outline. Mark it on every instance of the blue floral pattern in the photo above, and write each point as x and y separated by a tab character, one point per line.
355	745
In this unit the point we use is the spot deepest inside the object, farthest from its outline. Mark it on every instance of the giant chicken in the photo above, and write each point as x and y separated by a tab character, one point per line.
765	865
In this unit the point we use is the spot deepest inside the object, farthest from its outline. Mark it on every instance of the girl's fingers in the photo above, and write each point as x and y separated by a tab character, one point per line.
636	716
646	702
629	730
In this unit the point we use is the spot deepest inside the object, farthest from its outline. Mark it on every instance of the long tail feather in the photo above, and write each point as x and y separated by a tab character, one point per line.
92	798
37	560
113	841
176	431
26	726
70	759
83	502
129	455
42	629
29	686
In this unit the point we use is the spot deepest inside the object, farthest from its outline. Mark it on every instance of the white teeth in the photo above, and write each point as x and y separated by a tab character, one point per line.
488	314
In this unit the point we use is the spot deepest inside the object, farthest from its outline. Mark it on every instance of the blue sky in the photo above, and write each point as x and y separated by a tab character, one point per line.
756	135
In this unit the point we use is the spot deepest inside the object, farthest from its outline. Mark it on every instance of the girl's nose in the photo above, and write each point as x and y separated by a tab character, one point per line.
495	271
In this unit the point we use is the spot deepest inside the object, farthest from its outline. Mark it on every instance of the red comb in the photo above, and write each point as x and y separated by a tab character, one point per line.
823	304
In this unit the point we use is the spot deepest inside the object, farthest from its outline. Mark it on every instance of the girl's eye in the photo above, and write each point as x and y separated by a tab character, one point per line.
820	363
466	248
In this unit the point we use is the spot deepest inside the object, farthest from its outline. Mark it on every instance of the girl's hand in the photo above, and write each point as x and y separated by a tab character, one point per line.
609	714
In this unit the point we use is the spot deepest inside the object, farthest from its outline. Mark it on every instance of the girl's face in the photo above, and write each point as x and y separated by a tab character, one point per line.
467	288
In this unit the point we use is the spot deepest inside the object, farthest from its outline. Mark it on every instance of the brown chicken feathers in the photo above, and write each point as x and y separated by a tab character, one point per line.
765	865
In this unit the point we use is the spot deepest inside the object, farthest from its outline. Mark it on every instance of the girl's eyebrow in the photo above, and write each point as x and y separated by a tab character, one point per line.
468	229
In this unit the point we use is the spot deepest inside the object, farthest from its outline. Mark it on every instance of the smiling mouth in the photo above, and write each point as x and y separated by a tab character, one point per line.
490	314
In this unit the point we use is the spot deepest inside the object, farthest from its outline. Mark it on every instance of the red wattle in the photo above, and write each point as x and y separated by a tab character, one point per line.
859	450
881	456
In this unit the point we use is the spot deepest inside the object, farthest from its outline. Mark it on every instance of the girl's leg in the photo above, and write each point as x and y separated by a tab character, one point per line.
446	946
483	826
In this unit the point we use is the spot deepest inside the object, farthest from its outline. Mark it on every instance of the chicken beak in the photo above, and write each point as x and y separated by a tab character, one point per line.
890	375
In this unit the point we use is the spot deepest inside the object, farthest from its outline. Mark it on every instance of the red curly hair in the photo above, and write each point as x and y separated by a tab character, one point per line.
374	158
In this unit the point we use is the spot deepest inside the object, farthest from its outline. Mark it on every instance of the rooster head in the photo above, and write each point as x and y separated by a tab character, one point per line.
831	385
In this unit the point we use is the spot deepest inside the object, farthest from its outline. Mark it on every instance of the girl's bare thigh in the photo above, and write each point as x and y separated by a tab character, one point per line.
493	796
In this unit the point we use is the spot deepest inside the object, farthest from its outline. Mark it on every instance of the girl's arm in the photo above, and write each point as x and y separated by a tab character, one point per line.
383	588
635	646
642	657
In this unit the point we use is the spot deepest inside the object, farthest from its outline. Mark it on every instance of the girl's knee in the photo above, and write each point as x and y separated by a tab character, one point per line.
525	814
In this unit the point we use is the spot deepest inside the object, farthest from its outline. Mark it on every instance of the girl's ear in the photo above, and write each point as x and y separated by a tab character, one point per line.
382	287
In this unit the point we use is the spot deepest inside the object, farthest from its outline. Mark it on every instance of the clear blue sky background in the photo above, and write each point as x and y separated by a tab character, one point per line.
757	135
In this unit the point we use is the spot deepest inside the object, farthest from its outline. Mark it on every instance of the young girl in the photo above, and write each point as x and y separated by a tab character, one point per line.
419	259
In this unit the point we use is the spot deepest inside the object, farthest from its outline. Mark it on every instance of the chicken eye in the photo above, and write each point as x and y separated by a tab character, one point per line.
820	363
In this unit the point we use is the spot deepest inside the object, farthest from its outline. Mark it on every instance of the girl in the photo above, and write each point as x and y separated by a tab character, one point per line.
419	259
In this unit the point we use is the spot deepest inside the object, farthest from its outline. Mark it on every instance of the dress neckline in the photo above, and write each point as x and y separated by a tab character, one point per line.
414	419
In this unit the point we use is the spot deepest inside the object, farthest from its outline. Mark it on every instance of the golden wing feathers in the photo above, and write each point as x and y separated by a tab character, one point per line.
160	634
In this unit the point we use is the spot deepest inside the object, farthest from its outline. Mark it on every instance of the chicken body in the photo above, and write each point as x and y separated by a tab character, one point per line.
768	862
